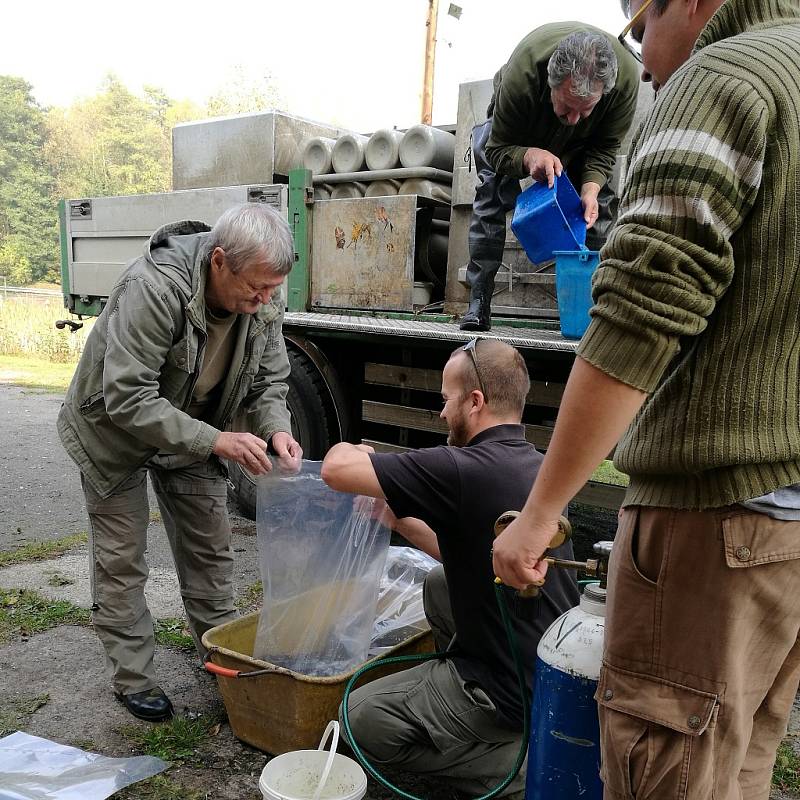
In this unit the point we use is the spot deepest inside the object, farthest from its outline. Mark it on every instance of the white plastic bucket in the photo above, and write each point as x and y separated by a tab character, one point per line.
314	774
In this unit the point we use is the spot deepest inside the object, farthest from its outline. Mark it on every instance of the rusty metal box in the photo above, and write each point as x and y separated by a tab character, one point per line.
362	253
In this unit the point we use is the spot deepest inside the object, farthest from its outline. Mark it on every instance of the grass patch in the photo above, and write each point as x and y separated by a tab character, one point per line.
23	613
251	598
57	579
173	633
606	473
786	775
36	373
42	551
85	744
27	328
15	714
159	787
177	740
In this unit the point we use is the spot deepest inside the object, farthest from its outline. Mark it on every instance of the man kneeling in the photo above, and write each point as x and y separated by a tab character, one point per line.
458	718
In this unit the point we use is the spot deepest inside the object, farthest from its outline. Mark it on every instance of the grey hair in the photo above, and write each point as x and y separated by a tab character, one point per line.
252	230
587	59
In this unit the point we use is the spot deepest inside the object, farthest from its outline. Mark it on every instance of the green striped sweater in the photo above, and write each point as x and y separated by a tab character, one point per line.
697	297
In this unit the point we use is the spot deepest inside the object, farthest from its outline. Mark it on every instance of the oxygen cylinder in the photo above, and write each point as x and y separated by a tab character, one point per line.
317	155
348	191
564	749
348	153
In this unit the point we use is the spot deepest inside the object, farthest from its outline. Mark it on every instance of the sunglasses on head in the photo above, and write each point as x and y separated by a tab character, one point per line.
471	347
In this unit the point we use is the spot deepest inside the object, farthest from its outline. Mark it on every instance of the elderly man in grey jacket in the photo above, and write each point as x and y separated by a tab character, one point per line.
189	339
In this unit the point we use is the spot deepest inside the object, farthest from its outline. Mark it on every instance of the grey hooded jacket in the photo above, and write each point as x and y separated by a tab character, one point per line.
129	395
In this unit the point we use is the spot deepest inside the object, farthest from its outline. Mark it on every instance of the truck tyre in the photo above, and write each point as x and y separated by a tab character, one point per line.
311	409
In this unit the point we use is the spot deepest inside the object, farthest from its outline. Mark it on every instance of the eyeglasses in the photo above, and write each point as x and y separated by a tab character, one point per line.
471	347
631	47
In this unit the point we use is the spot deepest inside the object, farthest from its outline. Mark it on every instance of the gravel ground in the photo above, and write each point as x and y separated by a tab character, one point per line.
42	501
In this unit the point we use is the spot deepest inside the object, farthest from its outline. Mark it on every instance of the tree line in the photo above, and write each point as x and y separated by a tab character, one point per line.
112	143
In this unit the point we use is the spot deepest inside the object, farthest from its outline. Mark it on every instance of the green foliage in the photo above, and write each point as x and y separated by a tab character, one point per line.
177	740
41	551
15	712
28	219
786	775
113	143
27	328
36	373
23	612
159	787
173	633
244	94
252	598
606	473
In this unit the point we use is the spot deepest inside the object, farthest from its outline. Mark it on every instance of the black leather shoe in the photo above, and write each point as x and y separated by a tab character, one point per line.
478	316
151	705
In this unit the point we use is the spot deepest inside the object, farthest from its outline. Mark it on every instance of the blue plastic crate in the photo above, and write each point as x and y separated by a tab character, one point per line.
546	220
574	270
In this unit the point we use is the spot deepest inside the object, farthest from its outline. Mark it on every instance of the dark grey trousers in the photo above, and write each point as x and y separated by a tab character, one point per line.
429	721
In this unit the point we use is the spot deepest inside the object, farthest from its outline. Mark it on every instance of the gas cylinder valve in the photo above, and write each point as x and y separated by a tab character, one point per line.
592	567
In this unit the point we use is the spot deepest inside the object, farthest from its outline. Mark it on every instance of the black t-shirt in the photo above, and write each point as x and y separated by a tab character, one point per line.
460	492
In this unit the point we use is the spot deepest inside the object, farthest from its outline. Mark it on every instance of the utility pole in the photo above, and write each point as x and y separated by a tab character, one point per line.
430	58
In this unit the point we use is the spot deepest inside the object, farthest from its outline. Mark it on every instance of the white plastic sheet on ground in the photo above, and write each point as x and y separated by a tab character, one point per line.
32	768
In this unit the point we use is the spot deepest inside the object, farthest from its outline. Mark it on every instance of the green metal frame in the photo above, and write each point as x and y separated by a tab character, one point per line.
301	196
301	201
62	232
91	306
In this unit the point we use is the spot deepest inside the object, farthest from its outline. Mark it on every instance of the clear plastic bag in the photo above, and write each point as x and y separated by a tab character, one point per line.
400	613
32	768
322	554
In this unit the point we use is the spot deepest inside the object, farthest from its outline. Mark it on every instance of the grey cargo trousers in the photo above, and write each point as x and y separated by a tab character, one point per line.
192	500
429	721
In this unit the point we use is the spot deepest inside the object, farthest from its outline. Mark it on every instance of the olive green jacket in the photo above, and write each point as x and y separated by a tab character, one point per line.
128	398
522	112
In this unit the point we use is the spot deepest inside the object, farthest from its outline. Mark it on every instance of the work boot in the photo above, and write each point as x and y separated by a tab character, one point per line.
152	705
479	313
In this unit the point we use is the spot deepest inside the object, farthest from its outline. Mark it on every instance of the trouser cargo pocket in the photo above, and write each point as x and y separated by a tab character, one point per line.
657	737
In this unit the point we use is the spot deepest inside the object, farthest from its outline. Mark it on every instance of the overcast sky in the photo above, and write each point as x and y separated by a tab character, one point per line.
357	63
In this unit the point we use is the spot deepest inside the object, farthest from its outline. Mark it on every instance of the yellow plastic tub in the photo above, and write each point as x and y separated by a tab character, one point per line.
279	710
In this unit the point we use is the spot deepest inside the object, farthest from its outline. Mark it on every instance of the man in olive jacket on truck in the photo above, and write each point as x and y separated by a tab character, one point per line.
190	337
565	100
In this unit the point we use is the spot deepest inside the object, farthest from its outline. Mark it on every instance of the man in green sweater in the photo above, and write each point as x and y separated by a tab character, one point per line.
693	359
564	100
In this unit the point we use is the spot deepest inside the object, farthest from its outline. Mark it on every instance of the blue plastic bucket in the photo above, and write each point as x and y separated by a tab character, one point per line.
547	219
574	270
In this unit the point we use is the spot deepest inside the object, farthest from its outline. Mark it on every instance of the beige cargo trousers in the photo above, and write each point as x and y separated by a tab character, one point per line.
702	655
192	498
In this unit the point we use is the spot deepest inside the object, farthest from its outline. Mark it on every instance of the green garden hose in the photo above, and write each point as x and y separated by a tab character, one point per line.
523	688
